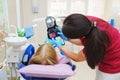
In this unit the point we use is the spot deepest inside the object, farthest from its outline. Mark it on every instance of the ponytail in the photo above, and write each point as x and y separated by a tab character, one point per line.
96	44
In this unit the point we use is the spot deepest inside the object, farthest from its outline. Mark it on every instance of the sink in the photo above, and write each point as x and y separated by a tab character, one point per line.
15	42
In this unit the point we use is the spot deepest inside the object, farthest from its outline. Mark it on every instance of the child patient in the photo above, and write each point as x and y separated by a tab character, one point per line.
45	55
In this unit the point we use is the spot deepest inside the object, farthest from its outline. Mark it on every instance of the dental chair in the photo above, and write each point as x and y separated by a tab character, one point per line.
44	72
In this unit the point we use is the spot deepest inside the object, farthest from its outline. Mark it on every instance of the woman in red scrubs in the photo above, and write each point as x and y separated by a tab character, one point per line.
101	43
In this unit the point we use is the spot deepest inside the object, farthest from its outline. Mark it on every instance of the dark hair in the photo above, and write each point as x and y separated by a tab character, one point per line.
96	41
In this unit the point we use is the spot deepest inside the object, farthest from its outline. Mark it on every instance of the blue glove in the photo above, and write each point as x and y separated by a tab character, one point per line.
56	43
62	36
47	40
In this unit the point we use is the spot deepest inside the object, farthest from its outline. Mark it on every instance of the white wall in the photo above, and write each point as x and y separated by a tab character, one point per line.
96	8
115	12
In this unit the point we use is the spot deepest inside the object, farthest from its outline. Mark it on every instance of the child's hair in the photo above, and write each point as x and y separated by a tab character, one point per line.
45	55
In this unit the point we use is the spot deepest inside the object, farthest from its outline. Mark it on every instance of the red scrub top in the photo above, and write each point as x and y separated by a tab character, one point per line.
112	57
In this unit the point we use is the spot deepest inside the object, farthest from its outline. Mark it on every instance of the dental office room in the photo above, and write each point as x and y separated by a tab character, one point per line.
27	26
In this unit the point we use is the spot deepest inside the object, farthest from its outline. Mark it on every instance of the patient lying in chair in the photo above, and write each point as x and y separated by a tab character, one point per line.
46	55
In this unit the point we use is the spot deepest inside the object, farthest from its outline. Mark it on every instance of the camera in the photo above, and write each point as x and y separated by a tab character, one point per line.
52	27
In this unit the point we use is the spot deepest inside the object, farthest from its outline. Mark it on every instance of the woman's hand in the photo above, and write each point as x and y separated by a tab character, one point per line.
56	43
62	36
